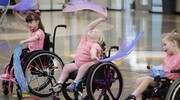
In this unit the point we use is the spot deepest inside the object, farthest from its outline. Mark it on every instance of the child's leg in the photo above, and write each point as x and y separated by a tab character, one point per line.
138	81
82	70
141	86
67	69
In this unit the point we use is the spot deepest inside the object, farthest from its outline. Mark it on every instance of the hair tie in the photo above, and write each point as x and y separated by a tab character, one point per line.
37	11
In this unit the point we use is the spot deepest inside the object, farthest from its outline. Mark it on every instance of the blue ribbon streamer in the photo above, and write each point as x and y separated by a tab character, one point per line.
19	75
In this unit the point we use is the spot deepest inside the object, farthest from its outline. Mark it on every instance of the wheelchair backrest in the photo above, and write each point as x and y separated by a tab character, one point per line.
47	43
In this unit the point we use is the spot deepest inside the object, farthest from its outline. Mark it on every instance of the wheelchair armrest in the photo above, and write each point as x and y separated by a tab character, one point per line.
111	48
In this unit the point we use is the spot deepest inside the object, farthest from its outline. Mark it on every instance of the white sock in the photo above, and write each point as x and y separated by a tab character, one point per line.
60	82
137	95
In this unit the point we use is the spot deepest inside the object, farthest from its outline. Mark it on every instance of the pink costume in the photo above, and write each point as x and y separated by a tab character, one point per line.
38	44
171	62
82	54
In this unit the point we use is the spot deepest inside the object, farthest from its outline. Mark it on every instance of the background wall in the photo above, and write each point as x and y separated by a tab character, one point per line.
178	6
50	4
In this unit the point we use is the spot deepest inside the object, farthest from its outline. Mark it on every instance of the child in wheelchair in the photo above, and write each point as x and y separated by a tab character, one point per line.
171	45
36	39
88	52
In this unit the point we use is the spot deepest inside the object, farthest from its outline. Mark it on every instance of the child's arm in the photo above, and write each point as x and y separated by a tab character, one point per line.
93	55
29	40
93	24
20	18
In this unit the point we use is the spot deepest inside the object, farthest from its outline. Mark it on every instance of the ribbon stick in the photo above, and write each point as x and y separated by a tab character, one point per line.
19	75
25	5
81	5
126	49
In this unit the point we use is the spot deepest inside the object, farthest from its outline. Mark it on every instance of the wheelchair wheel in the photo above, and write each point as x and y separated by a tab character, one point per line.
174	91
19	93
5	87
75	95
104	81
40	70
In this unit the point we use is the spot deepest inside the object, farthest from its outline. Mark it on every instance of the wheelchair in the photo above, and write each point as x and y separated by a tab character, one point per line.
164	90
38	67
103	81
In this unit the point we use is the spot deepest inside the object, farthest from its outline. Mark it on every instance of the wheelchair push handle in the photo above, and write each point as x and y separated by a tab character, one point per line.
61	26
149	66
54	35
111	48
175	71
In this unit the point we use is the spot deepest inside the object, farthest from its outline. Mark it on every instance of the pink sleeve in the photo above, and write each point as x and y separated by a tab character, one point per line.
40	33
97	47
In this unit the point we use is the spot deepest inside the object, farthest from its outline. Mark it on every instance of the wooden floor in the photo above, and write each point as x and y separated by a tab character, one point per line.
120	25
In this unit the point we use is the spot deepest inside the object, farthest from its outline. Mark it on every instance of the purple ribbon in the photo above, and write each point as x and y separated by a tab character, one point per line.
81	5
126	48
4	2
25	5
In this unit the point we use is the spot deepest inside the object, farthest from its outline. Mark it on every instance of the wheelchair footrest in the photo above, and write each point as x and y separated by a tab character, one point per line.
7	77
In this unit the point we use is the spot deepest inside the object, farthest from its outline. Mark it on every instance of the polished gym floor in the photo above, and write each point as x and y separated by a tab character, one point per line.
120	25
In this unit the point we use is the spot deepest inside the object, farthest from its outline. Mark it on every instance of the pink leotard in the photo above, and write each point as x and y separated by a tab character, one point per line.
171	62
38	44
82	54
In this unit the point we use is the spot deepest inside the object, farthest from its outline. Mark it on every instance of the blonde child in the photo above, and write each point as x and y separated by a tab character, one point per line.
171	45
88	52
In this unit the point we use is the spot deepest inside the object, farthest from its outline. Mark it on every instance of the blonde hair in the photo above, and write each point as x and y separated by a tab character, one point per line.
173	36
100	37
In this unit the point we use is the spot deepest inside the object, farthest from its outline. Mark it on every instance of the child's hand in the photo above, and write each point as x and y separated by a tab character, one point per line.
105	12
22	42
103	18
95	60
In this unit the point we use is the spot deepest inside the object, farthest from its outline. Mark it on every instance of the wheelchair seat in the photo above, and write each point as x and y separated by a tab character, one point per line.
159	91
102	77
47	43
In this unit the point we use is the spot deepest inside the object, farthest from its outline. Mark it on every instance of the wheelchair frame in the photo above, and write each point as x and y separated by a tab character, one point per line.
42	65
42	59
104	79
170	92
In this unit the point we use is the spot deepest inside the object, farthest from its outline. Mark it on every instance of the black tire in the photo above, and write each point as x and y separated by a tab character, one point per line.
19	93
68	96
74	95
5	87
174	91
40	72
106	79
79	88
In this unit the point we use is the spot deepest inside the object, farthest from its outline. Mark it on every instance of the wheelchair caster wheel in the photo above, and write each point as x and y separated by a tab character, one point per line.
19	93
5	87
106	97
55	97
